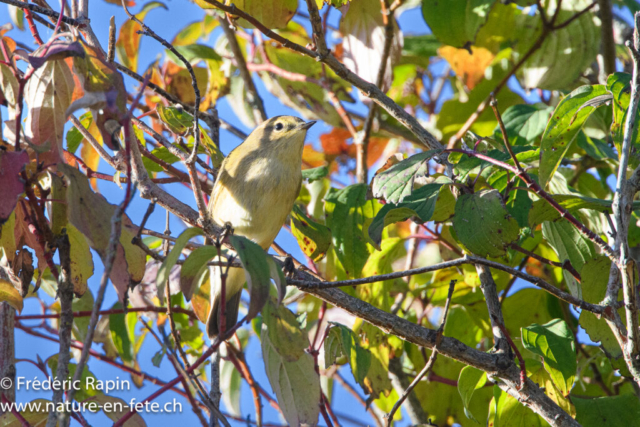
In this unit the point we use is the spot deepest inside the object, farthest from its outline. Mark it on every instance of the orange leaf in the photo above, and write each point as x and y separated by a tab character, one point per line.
312	158
468	67
334	143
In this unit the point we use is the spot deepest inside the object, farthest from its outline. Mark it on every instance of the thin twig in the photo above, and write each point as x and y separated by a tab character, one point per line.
311	285
430	362
253	98
534	186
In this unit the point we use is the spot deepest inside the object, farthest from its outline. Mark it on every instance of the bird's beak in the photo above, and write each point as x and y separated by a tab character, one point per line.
307	125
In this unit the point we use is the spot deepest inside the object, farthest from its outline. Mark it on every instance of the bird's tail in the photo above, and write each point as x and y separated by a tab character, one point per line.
233	290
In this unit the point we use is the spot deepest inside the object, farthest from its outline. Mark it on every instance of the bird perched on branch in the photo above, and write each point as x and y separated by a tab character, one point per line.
256	187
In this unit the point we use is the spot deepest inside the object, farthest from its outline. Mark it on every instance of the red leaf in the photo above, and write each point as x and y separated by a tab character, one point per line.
11	186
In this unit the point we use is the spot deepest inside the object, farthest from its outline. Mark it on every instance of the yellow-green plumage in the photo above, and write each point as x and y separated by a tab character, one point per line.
256	188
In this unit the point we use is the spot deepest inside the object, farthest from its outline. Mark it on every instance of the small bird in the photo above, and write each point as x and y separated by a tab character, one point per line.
257	185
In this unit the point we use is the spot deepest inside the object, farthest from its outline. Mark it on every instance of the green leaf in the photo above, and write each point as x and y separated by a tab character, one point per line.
510	412
295	382
565	123
558	63
569	244
195	31
418	49
314	238
483	225
396	183
420	204
74	137
232	380
595	276
380	262
194	267
123	333
456	22
342	341
525	121
315	173
595	148
259	268
537	373
611	411
619	85
348	213
176	119
554	341
542	211
172	257
285	334
470	380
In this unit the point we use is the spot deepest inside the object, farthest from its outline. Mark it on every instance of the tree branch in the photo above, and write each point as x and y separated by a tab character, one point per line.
622	202
253	98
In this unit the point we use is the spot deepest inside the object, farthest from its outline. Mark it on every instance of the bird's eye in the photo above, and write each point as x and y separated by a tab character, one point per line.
278	126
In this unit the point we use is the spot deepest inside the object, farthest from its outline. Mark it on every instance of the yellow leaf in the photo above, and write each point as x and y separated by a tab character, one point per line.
10	295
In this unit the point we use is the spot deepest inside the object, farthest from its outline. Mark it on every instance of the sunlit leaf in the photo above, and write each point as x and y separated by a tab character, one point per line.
564	54
524	121
364	39
456	22
230	386
565	123
348	214
48	94
314	238
195	31
128	43
538	374
10	295
510	412
554	341
469	381
469	67
122	333
570	245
